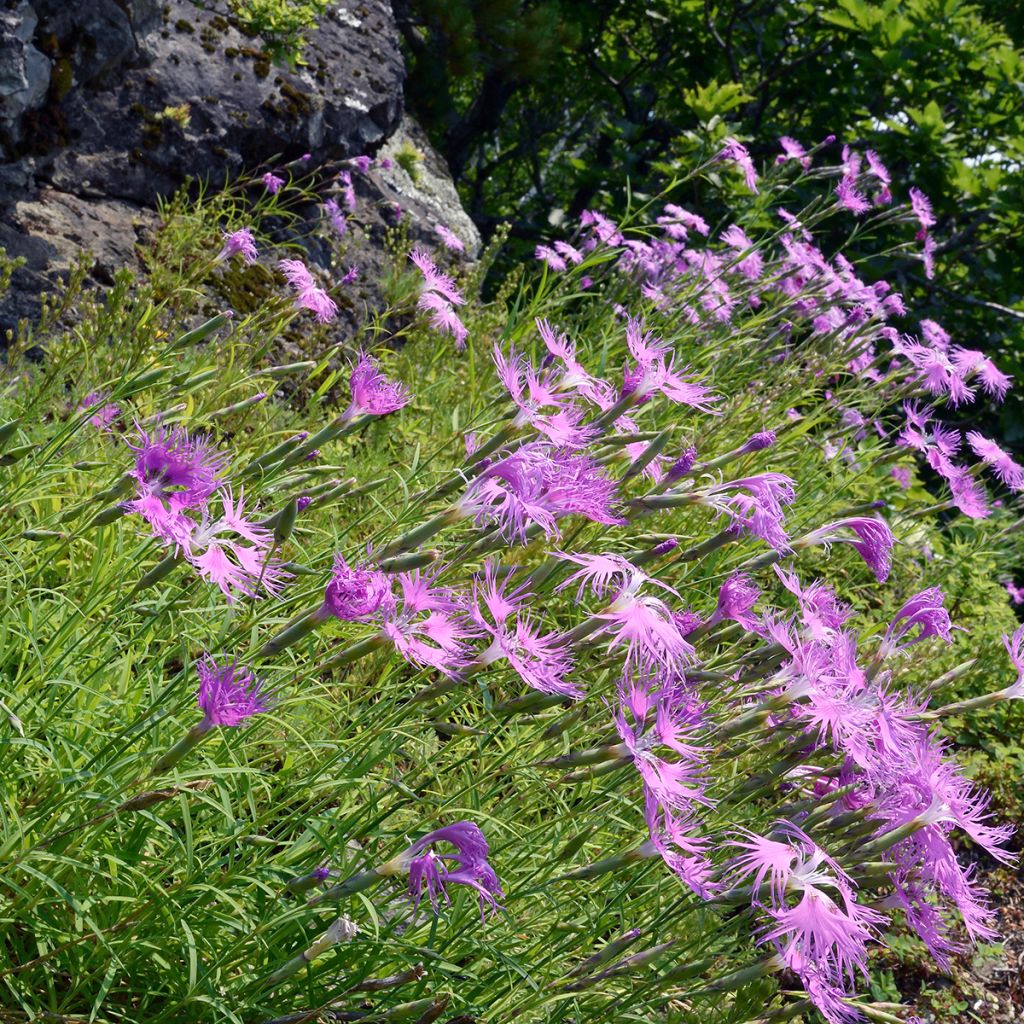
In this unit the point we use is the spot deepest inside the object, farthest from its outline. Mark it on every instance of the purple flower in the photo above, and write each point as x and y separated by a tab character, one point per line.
229	693
362	163
641	622
537	485
241	243
104	412
309	295
874	541
449	239
755	506
173	472
735	151
272	182
336	217
1015	593
901	475
435	872
758	442
347	191
922	207
357	593
372	393
736	599
924	612
430	627
678	221
542	660
547	255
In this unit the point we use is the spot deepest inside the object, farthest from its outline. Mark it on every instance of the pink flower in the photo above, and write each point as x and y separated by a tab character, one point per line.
228	694
233	552
922	208
793	150
430	626
438	297
547	255
542	660
241	243
654	372
104	412
449	239
372	393
309	295
1009	472
536	486
641	622
735	151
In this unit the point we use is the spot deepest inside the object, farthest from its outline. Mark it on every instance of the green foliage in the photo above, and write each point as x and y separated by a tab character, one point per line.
283	24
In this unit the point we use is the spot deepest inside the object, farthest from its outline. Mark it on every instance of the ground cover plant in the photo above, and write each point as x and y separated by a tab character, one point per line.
581	654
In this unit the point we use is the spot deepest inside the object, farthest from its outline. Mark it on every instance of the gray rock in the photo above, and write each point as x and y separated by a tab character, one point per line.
24	70
431	194
148	94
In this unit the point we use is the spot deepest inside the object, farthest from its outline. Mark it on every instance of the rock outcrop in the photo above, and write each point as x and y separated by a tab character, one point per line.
106	105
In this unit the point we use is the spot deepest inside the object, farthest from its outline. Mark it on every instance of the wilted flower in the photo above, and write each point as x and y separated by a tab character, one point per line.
435	872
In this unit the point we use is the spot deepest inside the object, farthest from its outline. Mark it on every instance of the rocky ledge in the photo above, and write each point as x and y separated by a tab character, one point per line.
107	105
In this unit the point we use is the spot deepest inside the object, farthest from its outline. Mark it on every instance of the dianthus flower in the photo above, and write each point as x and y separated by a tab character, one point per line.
793	150
654	372
435	872
449	239
755	506
173	472
229	693
874	541
535	391
736	599
233	551
542	660
640	622
538	484
1009	471
372	393
922	208
272	183
104	413
438	297
239	243
924	613
735	151
308	294
357	593
430	626
335	216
